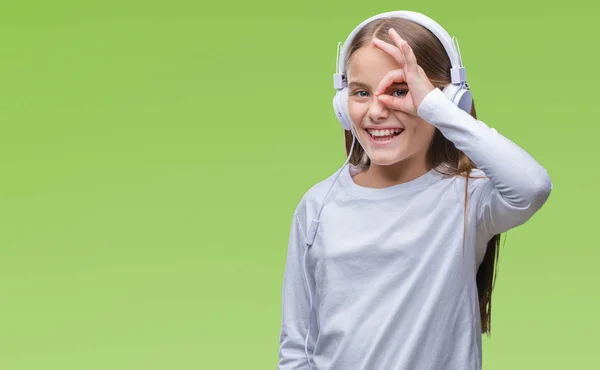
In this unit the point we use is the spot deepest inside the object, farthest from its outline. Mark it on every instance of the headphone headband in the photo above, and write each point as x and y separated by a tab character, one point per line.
457	72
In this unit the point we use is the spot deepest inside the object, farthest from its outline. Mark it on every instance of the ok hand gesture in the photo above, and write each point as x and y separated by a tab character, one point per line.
410	73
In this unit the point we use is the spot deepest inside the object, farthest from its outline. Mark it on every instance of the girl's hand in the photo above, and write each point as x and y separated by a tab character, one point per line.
410	73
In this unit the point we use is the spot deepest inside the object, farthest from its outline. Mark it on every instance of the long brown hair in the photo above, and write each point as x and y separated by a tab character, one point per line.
442	154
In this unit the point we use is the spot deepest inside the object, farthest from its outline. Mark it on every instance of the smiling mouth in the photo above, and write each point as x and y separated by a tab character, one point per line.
385	134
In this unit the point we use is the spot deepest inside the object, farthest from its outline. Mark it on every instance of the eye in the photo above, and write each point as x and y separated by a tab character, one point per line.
357	93
402	92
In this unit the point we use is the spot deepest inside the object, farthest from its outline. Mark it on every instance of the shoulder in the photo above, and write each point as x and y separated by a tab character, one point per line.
480	185
475	183
477	180
310	202
474	187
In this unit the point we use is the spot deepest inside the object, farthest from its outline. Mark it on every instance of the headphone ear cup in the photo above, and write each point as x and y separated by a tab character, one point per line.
460	96
464	99
340	107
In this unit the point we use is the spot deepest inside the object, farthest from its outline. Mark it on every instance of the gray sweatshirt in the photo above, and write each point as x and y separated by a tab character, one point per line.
387	284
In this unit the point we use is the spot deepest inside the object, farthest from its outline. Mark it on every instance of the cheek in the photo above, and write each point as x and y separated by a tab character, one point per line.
356	111
421	131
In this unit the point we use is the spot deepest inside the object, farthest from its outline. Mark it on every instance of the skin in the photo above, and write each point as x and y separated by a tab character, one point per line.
386	87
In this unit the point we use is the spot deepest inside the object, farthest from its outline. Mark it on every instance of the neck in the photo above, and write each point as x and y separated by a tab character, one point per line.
377	176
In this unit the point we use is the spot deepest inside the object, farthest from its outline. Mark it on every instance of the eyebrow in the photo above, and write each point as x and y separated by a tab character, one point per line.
358	84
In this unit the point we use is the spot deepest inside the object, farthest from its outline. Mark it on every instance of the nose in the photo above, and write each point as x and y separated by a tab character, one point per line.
378	111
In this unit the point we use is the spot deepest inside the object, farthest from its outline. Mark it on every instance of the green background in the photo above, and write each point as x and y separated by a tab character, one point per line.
152	154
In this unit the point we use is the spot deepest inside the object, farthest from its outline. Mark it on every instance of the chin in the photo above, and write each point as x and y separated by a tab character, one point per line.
383	158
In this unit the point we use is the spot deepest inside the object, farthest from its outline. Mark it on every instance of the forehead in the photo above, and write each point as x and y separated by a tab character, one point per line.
369	64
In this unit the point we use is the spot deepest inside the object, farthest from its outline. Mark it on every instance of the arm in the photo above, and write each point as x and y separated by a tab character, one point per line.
295	306
518	185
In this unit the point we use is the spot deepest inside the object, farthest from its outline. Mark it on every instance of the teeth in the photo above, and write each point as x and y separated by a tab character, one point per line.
384	132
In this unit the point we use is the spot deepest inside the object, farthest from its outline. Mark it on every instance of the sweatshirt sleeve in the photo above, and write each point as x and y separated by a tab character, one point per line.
518	185
295	306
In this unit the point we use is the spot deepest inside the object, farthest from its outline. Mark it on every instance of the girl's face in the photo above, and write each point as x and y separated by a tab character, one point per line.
388	136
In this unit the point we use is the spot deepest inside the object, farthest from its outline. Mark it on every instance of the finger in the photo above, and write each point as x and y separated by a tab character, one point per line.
410	59
397	75
391	50
393	102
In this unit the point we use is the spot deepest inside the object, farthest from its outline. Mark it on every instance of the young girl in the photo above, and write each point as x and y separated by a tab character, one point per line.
390	261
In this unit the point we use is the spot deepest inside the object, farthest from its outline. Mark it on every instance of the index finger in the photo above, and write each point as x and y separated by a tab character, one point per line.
394	76
392	50
409	57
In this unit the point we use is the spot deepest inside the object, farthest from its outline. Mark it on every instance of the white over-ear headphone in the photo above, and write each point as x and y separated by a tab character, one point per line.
457	90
